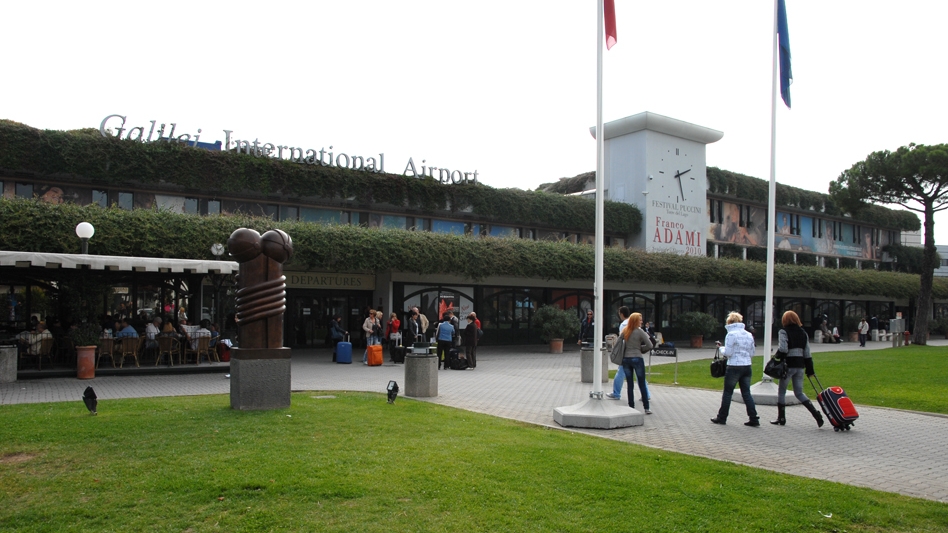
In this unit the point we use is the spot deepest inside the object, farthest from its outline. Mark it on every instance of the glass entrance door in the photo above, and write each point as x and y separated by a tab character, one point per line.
308	313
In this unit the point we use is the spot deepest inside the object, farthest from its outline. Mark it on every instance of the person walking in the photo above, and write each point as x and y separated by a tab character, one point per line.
863	332
636	344
794	347
617	381
738	349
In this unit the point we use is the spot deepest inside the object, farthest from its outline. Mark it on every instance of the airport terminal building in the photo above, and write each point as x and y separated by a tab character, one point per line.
661	198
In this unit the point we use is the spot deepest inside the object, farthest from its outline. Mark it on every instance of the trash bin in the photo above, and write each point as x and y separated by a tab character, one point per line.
586	364
7	364
421	375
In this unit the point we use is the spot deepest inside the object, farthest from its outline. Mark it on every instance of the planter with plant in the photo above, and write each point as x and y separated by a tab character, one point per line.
555	324
697	325
939	326
85	337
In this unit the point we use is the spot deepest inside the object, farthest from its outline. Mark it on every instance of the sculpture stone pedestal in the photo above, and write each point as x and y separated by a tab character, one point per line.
7	364
421	376
260	379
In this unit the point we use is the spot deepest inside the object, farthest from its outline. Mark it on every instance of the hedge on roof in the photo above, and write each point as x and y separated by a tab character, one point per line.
83	155
31	225
758	190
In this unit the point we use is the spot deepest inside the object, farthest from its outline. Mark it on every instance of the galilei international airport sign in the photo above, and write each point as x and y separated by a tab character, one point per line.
295	154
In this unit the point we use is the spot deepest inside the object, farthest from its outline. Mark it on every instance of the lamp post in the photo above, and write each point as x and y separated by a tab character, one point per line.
218	250
85	231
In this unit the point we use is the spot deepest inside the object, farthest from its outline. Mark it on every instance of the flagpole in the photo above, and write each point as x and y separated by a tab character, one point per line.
600	203
772	201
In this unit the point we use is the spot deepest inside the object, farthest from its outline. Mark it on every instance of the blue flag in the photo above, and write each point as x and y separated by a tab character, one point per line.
786	75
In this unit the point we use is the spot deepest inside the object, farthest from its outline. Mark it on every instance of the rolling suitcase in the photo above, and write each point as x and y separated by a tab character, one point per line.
837	406
344	352
398	354
374	355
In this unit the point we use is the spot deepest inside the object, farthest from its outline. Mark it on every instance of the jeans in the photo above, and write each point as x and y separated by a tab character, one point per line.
620	379
796	376
862	339
635	365
737	375
371	340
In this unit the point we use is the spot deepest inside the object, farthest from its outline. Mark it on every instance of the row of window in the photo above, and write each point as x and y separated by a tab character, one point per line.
203	206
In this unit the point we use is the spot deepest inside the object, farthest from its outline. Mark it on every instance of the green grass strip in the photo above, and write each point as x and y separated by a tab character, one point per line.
910	377
354	463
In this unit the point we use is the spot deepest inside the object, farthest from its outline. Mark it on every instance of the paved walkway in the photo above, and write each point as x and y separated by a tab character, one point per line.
889	450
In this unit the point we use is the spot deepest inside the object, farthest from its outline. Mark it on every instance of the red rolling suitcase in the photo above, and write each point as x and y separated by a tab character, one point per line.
837	406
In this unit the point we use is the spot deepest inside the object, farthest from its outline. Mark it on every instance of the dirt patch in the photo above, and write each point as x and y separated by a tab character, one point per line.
15	458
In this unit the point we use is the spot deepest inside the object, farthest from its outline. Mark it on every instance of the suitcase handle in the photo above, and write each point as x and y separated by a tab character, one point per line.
818	392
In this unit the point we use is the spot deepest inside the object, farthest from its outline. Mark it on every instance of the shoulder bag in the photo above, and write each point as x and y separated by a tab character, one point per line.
618	351
718	365
776	368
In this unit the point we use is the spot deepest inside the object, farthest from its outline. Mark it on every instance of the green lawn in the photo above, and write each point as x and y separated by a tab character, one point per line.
911	377
355	463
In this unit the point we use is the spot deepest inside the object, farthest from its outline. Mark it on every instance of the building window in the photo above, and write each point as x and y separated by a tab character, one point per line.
447	226
213	207
191	206
321	216
24	190
126	201
271	211
504	231
745	216
100	198
289	212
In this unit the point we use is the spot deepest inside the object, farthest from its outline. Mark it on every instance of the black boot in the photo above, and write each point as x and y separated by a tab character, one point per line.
816	414
781	416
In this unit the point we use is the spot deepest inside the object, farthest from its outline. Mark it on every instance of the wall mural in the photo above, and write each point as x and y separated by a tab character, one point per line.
796	233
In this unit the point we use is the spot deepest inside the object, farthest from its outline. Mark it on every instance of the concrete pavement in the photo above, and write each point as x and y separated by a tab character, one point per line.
888	449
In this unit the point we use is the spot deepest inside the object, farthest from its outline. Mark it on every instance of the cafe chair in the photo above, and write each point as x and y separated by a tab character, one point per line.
106	347
203	348
167	346
129	348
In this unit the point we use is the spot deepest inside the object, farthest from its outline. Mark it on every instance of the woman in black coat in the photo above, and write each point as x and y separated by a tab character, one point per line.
469	336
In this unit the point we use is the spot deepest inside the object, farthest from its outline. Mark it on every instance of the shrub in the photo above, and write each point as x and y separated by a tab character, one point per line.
697	323
555	323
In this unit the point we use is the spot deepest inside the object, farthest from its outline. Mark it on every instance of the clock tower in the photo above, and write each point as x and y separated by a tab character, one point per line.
658	164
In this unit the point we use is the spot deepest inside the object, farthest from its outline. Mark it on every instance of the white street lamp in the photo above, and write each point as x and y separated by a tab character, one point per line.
85	231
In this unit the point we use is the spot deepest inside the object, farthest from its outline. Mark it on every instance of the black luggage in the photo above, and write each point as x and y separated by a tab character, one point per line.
398	354
455	361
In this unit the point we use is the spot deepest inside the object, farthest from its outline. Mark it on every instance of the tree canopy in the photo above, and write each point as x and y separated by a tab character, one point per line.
914	177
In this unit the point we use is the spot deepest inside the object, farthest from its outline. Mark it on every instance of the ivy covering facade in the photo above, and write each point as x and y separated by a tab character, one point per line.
85	155
31	225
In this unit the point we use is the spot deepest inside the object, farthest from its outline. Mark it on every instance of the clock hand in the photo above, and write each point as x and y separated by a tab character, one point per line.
679	174
680	187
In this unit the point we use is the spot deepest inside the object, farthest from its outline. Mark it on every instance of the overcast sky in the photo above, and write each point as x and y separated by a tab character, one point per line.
507	88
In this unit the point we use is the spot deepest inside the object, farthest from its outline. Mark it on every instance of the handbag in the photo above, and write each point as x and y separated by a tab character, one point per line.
718	365
618	351
776	368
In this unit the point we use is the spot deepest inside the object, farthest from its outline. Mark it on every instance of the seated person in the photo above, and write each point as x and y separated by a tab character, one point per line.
168	331
215	332
32	341
152	331
202	331
126	331
827	336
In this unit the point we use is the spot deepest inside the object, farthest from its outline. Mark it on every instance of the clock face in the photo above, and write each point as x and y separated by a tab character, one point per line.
677	177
